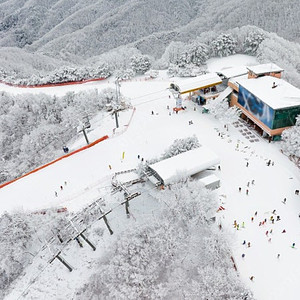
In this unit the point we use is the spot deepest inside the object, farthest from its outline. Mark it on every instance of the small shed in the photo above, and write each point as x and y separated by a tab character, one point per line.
211	182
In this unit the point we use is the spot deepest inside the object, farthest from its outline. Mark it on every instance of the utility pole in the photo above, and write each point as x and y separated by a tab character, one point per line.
85	135
117	102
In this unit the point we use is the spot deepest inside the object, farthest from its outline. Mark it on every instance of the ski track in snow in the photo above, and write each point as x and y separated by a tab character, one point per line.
87	175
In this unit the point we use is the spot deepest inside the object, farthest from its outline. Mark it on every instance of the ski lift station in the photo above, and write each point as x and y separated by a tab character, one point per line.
185	164
200	88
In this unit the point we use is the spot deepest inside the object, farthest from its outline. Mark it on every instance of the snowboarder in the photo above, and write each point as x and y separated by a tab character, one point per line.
296	192
278	218
283	231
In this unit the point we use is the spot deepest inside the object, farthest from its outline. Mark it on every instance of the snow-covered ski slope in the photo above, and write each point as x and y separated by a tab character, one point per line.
87	174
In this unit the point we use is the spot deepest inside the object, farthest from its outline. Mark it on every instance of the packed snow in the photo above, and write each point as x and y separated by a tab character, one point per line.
270	259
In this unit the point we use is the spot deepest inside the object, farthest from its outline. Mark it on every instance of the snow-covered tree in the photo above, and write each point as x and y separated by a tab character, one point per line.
291	142
124	74
140	63
220	110
195	53
252	42
177	256
223	45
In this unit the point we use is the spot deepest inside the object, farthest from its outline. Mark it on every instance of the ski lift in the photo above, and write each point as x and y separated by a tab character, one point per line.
86	122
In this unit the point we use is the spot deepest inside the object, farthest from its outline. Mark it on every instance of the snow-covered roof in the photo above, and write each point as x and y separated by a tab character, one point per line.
187	163
209	179
224	94
264	68
234	71
199	82
283	95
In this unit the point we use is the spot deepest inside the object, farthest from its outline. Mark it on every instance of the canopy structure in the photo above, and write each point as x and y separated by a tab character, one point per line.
199	82
224	94
233	71
185	164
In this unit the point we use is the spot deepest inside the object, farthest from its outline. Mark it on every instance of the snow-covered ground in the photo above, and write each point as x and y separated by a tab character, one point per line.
88	176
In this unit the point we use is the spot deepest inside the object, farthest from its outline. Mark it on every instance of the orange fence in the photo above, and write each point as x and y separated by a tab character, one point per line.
52	84
56	160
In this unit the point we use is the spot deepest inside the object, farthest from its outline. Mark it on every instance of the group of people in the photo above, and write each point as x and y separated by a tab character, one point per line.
61	189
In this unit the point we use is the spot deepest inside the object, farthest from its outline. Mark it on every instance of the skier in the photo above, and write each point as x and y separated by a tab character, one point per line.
55	193
255	214
247	164
240	189
109	167
252	181
248	244
247	192
283	231
293	245
274	211
61	188
252	219
243	255
267	232
243	225
138	156
251	278
152	112
278	218
219	168
248	183
284	201
244	242
278	255
296	192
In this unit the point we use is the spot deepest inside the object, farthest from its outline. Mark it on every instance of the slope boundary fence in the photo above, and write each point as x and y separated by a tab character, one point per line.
56	160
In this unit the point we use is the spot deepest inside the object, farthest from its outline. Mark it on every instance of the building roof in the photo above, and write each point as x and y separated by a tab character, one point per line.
198	82
187	164
282	96
264	68
233	71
